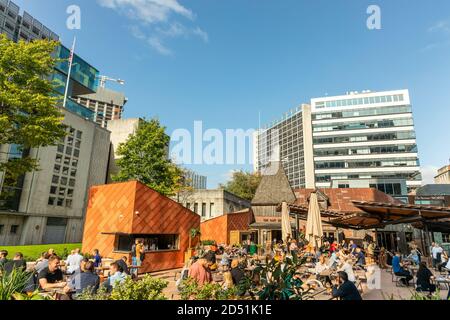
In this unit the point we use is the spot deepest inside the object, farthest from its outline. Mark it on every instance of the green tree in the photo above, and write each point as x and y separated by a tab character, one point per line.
29	117
243	184
143	157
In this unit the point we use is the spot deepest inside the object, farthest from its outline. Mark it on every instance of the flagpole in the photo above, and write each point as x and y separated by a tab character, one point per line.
72	51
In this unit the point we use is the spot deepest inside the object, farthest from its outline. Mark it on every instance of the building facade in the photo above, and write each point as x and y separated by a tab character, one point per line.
211	203
443	176
23	27
367	135
195	180
47	206
106	104
289	141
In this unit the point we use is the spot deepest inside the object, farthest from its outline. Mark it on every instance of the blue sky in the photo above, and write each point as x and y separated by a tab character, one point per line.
223	62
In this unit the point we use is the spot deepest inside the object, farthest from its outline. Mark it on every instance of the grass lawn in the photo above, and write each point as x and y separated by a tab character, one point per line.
31	253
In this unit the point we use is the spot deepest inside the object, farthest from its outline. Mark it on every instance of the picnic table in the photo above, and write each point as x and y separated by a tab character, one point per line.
443	281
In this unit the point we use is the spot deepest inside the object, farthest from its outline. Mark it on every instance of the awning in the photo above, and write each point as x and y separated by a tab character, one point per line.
377	215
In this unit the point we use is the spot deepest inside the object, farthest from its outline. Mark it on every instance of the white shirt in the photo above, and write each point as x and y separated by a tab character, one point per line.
448	265
320	268
435	251
347	268
74	262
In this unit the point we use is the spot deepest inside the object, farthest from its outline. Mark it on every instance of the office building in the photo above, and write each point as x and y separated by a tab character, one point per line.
105	103
443	176
47	206
289	141
368	135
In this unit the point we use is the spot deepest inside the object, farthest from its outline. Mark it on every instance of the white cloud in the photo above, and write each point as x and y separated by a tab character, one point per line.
157	20
428	174
440	26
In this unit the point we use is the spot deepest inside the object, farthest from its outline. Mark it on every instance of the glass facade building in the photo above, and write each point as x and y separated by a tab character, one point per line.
368	135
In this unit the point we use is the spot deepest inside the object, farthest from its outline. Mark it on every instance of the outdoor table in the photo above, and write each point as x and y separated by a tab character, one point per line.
443	280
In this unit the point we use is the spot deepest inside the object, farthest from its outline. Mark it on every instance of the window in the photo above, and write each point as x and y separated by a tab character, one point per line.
196	207
57	169
344	186
152	242
79	134
55	179
77	144
76	153
60	202
72	182
203	209
188	206
74	163
58	158
14	229
66	161
62	192
69	203
73	172
70	193
51	201
63	181
211	209
60	148
53	190
69	150
2	227
65	171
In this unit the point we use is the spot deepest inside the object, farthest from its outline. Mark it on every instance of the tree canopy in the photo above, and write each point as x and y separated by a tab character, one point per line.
29	117
144	157
243	184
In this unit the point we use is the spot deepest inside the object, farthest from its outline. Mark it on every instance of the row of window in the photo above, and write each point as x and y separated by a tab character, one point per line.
388	136
204	206
60	202
362	113
363	125
367	164
12	230
416	176
360	101
366	150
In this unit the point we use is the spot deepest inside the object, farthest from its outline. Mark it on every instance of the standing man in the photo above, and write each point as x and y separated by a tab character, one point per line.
137	256
74	261
436	253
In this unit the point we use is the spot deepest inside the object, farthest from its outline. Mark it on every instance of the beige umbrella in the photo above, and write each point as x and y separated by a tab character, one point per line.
286	229
314	231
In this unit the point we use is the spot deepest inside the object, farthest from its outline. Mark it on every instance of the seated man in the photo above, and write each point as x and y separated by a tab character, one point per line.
3	260
42	263
347	290
397	268
116	277
200	272
51	277
86	280
17	263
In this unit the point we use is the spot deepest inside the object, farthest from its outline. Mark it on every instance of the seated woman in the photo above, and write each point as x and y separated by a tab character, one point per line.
347	267
322	266
424	277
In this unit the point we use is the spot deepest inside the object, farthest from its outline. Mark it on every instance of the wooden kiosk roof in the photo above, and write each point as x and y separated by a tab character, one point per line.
379	215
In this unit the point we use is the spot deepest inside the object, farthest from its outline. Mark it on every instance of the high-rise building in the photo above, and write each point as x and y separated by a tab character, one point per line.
105	103
195	180
368	135
289	141
48	206
338	141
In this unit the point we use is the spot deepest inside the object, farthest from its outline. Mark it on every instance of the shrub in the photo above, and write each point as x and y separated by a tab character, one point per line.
14	282
190	290
148	288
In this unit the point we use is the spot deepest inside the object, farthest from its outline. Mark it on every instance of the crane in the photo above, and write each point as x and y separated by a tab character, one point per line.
103	80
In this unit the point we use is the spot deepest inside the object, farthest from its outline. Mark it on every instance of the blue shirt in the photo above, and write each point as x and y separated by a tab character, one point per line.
396	267
97	261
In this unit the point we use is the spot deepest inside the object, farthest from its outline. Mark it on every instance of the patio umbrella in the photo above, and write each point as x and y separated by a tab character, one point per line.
286	229
314	231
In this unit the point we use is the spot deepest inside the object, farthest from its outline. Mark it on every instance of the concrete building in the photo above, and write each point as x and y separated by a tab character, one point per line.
288	140
23	27
47	206
107	104
443	176
211	203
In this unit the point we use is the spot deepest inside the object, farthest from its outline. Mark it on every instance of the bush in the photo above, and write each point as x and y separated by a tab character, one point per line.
146	289
190	290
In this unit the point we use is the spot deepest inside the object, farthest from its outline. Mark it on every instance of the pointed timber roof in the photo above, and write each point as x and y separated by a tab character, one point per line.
274	189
